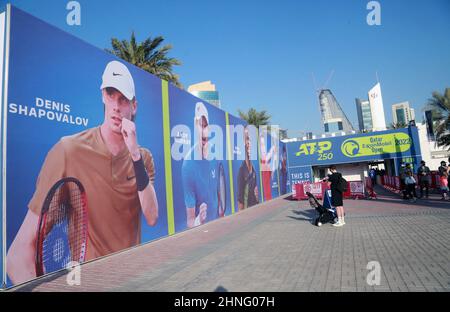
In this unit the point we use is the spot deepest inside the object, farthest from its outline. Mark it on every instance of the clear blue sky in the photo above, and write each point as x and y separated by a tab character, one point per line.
262	54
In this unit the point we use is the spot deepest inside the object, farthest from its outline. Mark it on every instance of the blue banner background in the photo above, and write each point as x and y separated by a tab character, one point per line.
285	185
182	112
45	62
300	175
237	163
317	158
274	182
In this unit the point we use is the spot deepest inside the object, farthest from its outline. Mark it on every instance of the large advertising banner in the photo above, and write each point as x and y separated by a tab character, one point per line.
85	163
269	160
246	171
392	144
200	171
87	149
2	59
301	174
275	176
283	170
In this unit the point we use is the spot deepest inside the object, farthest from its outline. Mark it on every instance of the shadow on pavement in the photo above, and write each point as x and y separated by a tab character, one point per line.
290	198
301	219
29	287
220	289
308	215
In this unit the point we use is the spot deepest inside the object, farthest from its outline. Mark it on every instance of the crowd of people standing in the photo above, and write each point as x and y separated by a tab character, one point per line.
408	182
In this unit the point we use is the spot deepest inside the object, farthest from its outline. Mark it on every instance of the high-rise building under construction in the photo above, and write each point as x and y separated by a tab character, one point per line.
333	117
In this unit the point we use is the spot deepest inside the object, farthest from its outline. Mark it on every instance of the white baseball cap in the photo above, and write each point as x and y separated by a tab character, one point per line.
117	75
200	110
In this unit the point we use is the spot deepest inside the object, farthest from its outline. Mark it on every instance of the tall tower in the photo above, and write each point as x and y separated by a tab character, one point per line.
333	117
377	109
402	113
364	115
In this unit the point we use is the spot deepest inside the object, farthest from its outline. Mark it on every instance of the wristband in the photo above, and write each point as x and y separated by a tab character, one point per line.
142	179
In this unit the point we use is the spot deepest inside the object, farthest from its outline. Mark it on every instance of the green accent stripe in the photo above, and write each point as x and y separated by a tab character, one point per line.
167	158
260	171
230	162
278	168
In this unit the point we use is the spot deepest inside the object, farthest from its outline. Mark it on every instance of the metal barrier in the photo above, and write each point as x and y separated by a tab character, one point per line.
355	190
393	183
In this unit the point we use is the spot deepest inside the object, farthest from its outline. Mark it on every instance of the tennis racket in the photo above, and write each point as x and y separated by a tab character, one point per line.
63	227
221	192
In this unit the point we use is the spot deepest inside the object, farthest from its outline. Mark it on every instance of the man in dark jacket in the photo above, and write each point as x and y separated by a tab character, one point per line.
424	175
335	181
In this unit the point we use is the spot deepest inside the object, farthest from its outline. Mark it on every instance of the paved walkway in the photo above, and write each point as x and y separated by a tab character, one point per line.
274	247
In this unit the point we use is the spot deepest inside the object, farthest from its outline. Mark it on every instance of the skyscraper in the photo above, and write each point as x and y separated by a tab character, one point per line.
364	115
402	113
377	109
333	117
206	91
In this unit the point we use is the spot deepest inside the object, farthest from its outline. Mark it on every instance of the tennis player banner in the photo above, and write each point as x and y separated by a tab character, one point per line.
244	158
200	170
85	169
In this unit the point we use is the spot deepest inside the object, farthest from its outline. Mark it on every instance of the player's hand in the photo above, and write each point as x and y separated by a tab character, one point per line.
202	212
129	136
256	193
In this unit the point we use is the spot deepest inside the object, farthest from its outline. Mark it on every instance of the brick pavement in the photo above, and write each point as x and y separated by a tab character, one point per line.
274	247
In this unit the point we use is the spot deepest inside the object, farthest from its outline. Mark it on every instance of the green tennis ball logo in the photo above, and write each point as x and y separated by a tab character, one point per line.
350	148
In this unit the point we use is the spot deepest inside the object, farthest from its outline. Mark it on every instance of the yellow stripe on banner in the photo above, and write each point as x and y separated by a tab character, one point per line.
167	158
230	162
260	171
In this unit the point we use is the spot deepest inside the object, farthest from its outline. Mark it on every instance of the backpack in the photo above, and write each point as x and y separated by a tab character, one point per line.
342	186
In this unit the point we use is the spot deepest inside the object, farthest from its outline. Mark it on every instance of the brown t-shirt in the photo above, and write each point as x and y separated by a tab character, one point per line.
114	208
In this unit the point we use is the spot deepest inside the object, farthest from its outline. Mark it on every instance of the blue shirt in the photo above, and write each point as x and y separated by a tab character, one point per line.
200	182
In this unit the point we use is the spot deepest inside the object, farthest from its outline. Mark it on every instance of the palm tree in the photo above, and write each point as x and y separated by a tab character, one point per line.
148	56
440	105
398	125
253	117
